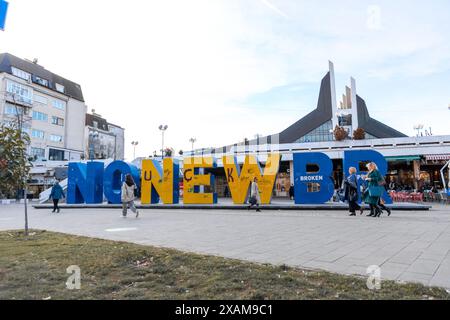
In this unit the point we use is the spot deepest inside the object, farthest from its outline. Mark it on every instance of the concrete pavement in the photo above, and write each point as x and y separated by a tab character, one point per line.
412	246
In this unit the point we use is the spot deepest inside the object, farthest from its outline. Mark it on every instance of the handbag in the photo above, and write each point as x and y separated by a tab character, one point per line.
376	191
382	182
353	195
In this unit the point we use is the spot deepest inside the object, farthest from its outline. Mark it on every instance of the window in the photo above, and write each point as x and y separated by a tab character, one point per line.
21	74
59	104
39	116
40	99
41	81
13	110
38	134
95	123
320	134
38	152
56	155
20	93
26	128
56	138
58	121
59	87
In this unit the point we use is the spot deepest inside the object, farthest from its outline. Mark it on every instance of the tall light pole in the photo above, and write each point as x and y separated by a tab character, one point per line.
418	127
134	144
163	128
192	141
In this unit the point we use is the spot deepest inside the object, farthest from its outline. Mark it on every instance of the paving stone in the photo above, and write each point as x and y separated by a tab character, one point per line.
409	245
424	266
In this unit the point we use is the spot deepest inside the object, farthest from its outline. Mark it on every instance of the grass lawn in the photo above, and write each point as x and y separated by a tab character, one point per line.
34	267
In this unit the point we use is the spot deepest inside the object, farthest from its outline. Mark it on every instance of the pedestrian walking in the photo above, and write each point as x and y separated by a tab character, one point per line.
351	192
56	194
255	199
127	196
225	192
291	192
374	190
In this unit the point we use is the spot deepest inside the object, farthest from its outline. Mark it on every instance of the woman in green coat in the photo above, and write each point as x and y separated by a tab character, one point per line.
373	179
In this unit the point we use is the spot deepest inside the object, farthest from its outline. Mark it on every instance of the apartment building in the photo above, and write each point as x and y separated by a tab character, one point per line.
52	108
104	140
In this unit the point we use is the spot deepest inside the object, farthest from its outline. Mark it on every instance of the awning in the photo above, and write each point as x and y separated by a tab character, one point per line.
403	158
434	157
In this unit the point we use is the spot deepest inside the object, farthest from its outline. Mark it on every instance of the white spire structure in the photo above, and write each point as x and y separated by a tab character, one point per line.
355	124
333	95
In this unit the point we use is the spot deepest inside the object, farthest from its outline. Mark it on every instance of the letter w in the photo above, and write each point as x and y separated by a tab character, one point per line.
239	180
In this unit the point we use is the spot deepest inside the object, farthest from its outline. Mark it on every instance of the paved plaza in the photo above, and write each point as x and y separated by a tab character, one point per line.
412	246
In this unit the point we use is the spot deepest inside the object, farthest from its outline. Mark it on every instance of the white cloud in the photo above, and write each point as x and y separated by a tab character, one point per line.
143	63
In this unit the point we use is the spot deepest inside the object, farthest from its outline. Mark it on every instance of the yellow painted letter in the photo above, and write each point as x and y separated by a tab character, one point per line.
239	180
156	183
192	180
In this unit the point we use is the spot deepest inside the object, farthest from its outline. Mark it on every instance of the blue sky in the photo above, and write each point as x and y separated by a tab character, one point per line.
224	70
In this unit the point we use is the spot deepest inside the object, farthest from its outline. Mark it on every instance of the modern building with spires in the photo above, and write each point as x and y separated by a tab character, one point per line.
413	162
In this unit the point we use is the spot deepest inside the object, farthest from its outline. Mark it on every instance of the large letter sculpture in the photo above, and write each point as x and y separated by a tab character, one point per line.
3	11
114	176
354	158
303	179
157	182
239	180
85	182
192	180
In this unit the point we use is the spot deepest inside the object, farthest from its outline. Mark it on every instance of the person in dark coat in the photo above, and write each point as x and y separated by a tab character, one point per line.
351	192
225	192
56	194
291	192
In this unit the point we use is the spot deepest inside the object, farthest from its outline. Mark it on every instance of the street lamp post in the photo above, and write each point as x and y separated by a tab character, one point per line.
418	127
163	128
134	143
192	141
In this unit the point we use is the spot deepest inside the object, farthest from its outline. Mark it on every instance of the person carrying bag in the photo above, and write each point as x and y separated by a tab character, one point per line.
374	189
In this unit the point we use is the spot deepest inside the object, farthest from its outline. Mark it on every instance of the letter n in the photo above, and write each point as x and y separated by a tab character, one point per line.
85	183
157	182
302	190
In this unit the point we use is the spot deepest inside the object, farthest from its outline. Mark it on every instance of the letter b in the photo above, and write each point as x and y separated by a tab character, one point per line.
304	180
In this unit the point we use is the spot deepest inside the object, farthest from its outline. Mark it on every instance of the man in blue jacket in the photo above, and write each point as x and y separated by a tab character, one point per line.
56	194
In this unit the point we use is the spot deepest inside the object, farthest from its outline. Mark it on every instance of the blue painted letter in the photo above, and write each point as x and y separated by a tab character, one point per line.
322	178
3	11
85	183
114	176
354	158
